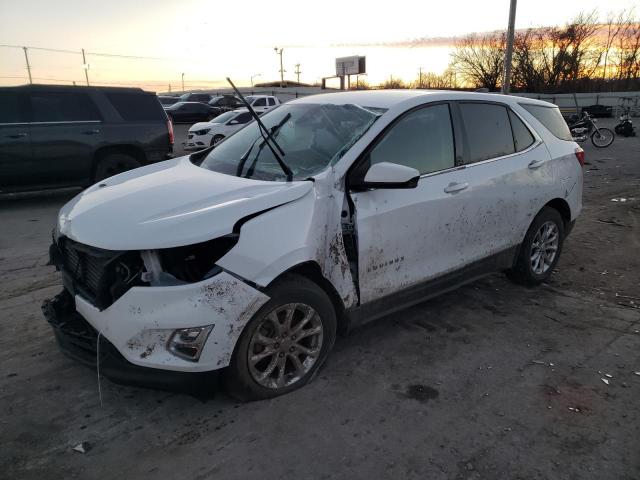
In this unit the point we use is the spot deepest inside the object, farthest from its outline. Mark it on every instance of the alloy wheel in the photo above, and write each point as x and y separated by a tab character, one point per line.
544	247
285	346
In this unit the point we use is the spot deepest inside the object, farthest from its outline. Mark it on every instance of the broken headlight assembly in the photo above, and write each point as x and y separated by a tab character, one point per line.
187	264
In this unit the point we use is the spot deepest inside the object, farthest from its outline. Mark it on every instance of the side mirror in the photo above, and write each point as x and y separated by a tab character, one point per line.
388	175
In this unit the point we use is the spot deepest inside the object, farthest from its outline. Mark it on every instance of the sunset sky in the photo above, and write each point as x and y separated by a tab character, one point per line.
208	40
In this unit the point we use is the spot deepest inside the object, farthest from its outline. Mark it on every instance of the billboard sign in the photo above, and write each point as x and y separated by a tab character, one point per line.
354	65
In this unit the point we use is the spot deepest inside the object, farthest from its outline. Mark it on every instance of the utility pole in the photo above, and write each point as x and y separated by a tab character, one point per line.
254	76
26	57
169	88
279	52
298	72
86	67
506	83
420	77
183	83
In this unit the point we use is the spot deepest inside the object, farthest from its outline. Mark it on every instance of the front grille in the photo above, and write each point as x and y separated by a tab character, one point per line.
100	276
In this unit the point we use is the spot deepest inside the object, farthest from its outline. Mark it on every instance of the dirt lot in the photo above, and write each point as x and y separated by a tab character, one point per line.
492	381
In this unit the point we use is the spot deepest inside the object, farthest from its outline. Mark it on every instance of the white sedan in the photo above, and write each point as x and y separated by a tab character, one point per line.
204	134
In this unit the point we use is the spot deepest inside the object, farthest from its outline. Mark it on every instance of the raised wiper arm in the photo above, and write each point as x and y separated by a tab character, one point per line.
265	134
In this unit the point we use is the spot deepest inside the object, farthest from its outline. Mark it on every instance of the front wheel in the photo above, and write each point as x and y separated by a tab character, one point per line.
285	343
602	137
540	250
216	139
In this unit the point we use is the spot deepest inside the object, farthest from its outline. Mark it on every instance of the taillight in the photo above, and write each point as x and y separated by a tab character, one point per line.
170	129
580	156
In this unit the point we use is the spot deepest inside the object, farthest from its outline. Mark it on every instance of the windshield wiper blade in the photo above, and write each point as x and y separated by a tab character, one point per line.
274	132
265	135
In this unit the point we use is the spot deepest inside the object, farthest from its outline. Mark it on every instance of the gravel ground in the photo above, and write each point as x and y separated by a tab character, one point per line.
490	381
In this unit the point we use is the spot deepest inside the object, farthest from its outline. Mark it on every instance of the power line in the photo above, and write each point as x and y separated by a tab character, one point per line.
79	52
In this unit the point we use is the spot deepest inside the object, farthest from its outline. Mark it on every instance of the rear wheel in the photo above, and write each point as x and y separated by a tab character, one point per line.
540	250
602	137
113	164
285	343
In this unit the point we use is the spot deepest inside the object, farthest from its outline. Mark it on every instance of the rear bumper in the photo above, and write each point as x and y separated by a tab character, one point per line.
79	341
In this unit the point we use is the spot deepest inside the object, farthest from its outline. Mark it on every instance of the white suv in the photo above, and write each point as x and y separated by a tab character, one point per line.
250	256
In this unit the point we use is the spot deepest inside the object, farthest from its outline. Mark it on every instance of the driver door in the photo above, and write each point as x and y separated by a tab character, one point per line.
407	236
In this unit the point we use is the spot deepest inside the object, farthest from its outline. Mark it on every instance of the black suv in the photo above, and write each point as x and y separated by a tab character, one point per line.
54	136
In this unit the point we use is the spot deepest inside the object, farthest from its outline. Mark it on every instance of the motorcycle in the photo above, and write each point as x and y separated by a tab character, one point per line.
625	125
584	127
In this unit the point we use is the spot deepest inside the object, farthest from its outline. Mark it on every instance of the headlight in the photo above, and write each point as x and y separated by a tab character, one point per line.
204	131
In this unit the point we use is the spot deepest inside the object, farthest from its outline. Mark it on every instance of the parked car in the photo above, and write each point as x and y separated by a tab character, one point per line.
59	136
166	100
250	260
205	134
603	111
195	97
262	103
226	103
190	112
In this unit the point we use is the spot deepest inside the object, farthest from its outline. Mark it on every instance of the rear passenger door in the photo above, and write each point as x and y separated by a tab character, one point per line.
66	129
15	140
506	170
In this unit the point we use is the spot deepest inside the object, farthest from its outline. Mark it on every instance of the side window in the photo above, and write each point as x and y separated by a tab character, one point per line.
272	102
136	107
521	134
422	139
261	102
243	117
11	110
551	118
488	131
62	107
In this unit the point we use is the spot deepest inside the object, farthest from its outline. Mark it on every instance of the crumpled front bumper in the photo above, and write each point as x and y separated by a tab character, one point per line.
140	323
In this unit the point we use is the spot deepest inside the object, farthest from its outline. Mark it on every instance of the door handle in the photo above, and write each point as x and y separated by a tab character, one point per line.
17	135
536	164
91	132
455	187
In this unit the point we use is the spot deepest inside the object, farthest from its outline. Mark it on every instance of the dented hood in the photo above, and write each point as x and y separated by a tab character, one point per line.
168	204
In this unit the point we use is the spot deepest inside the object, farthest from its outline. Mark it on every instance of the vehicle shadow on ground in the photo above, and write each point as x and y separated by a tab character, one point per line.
29	200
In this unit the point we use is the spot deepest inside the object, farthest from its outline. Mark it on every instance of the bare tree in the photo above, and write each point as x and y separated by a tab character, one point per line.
627	51
446	80
613	25
393	83
479	59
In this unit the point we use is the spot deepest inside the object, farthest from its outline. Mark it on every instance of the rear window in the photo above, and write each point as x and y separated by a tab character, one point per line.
10	108
551	118
136	107
488	131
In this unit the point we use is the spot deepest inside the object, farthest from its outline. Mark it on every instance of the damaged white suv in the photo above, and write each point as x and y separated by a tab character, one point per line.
251	255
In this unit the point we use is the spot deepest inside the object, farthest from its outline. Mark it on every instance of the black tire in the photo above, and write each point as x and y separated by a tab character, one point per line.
606	133
216	139
238	378
523	270
113	164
